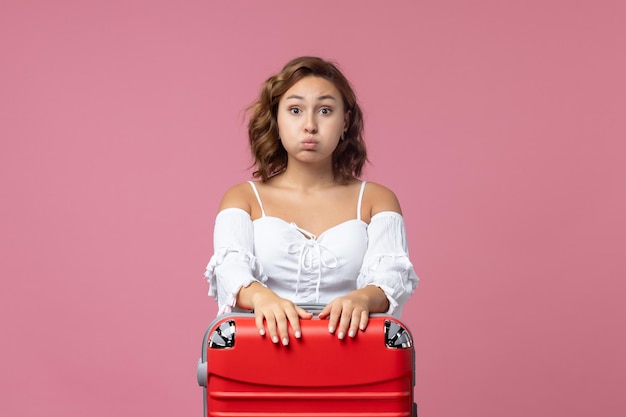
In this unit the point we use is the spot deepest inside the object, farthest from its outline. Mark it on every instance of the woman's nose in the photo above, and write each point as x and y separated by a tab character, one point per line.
310	125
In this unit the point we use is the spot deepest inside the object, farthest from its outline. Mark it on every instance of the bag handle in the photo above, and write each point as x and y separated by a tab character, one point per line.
312	307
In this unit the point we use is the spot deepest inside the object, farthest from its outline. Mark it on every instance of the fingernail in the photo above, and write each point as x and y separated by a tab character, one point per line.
262	332
340	335
331	329
362	327
351	333
275	339
298	334
285	341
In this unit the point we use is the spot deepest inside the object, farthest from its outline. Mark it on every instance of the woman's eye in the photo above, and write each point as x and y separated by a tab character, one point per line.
294	110
325	110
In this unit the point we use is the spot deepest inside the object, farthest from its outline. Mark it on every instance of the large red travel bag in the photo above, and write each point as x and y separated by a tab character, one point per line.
246	375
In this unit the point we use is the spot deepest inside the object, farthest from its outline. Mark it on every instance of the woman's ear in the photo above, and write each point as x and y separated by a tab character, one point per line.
346	121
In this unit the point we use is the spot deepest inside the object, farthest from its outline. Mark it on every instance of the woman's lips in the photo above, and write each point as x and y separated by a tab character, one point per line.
309	144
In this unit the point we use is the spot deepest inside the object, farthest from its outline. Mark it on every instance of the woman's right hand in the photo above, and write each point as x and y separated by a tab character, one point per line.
272	311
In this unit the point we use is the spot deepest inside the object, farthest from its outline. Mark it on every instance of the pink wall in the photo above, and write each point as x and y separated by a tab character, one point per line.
500	125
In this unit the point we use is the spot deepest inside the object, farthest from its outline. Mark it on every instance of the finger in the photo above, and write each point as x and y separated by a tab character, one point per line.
333	318
258	320
325	312
344	323
303	314
270	322
294	321
355	322
283	328
365	319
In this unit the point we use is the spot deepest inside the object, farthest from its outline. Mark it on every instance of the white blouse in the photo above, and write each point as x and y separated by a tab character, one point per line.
305	268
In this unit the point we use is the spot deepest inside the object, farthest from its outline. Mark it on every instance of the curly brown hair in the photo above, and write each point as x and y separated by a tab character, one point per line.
270	157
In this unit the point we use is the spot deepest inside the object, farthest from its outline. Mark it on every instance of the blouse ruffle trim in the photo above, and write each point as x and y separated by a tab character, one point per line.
392	273
235	256
386	263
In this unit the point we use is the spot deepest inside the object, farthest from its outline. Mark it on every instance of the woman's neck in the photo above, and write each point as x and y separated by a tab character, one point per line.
305	179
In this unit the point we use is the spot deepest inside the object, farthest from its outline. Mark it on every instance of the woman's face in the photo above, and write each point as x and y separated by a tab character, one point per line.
311	119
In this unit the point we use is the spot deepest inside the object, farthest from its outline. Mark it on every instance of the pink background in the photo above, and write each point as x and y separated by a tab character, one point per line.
499	124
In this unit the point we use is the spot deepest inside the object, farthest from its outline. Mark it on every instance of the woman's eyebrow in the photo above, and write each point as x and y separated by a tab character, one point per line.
320	98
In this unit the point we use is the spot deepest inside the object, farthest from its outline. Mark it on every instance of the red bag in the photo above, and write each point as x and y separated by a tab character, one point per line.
244	374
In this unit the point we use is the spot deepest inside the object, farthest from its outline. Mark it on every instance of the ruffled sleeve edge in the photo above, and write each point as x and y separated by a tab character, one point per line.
396	289
243	256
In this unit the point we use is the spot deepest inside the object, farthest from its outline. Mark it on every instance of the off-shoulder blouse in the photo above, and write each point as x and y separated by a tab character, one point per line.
305	268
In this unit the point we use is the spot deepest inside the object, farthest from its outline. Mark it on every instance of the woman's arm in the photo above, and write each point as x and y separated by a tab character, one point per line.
237	196
378	198
270	310
349	313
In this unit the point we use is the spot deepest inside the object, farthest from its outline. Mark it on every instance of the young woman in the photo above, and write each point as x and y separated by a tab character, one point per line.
308	230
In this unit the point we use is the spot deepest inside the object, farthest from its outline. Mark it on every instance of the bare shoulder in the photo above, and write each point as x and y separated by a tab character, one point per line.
238	196
380	198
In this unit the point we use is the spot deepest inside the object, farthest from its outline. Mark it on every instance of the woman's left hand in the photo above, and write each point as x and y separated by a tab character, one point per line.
350	313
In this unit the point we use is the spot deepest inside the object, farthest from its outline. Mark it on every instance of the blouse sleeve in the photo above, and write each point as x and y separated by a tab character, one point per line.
386	263
233	265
